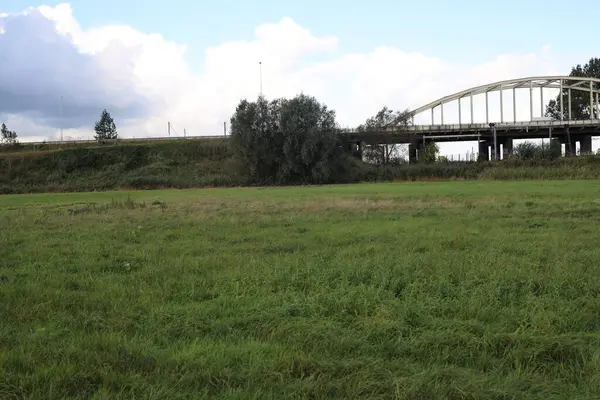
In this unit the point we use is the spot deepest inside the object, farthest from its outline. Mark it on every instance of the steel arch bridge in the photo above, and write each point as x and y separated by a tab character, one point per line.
578	90
569	84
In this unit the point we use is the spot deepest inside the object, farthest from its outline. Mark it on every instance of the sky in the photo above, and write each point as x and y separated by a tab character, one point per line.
190	62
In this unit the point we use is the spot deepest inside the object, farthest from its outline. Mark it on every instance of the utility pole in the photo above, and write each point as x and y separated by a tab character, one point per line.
61	116
493	126
260	74
184	133
224	128
169	128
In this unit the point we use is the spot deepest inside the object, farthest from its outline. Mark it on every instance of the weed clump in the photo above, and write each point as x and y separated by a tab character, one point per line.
128	203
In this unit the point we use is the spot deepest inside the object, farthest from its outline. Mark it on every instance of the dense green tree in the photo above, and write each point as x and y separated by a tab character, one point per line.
384	119
7	136
105	128
542	151
580	100
286	140
429	153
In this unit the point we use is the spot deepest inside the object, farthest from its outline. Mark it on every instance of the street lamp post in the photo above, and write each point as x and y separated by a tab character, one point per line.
61	124
260	75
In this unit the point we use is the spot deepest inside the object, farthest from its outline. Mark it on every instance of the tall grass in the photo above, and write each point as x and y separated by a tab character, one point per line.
172	164
208	163
457	290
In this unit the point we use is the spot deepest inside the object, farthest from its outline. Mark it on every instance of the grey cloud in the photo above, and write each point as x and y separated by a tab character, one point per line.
39	65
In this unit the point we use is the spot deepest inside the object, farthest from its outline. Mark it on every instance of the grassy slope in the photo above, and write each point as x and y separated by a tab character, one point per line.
413	290
191	163
208	163
27	147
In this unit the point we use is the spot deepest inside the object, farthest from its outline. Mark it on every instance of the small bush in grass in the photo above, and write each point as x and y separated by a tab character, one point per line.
542	151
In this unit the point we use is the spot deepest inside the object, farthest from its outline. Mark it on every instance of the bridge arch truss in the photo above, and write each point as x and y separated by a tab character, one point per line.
564	84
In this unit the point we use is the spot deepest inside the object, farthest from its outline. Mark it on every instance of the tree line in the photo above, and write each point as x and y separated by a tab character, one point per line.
298	140
7	137
287	141
104	128
581	109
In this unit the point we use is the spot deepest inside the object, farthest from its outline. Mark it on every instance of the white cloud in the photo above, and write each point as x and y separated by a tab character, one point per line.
39	63
145	80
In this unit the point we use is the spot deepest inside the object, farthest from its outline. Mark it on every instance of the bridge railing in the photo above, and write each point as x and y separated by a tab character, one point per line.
413	128
483	126
124	139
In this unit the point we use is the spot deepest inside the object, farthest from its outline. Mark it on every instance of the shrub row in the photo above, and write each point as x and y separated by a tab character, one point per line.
197	163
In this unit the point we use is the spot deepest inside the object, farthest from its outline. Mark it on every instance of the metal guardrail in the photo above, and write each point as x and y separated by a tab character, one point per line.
146	139
408	129
507	125
483	126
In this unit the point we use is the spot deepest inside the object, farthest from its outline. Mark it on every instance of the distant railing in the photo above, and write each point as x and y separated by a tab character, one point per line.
144	139
405	129
482	126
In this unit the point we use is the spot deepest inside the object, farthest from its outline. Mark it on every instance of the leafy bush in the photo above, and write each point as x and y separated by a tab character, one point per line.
287	141
542	151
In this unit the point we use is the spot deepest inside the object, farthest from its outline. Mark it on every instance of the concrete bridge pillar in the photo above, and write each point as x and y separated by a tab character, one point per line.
356	149
570	149
569	142
585	144
565	140
416	144
555	143
412	153
498	151
484	151
507	147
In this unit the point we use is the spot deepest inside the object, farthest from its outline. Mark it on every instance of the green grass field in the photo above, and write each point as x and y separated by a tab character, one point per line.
455	290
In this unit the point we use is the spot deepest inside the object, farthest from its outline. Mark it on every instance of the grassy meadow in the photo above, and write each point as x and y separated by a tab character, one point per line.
449	290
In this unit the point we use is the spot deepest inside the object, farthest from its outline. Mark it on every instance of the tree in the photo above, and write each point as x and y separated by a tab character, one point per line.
7	136
105	128
543	151
429	152
386	118
580	100
286	141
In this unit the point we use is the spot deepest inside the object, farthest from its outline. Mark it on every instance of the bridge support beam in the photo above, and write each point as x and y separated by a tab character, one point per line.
569	142
415	146
585	143
555	143
498	151
507	147
484	150
356	149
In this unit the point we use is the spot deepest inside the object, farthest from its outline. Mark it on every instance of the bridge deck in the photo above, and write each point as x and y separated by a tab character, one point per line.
458	132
